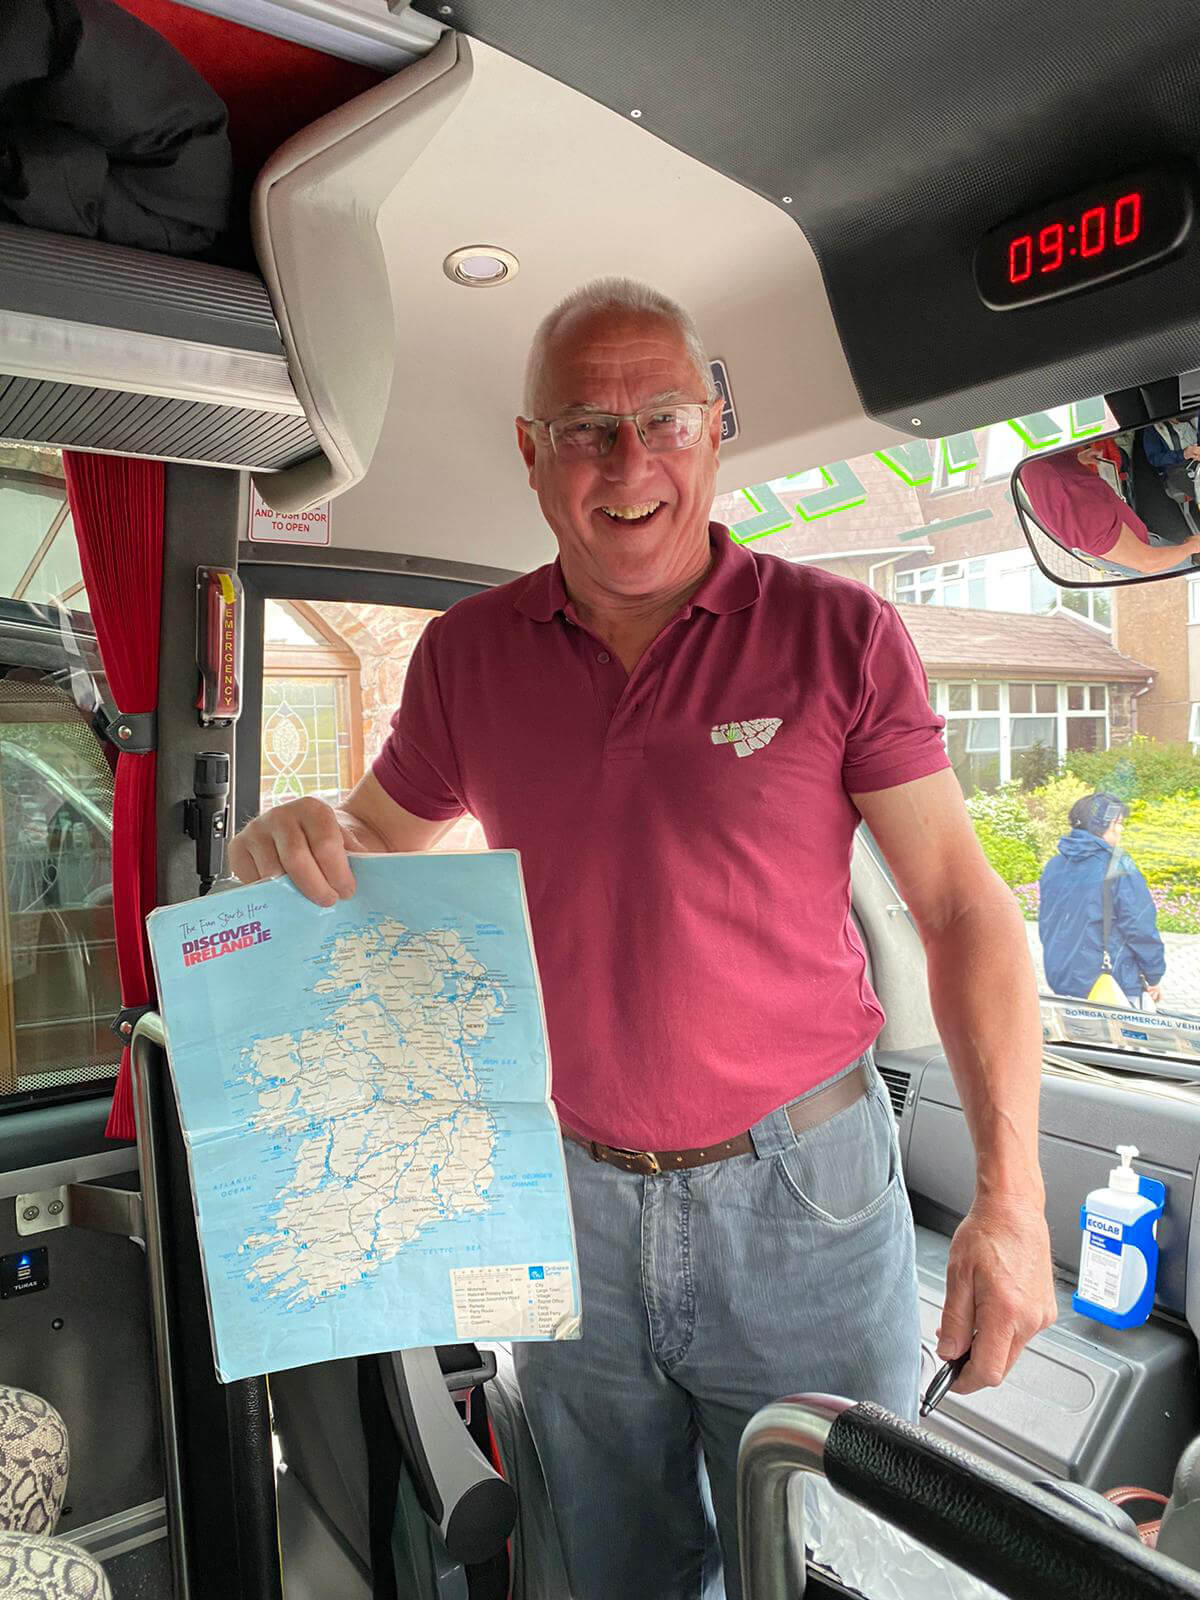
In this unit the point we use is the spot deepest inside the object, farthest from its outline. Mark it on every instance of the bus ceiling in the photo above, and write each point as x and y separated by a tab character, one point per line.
821	190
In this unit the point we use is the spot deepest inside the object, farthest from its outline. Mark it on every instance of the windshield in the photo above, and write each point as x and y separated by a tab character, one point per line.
1072	716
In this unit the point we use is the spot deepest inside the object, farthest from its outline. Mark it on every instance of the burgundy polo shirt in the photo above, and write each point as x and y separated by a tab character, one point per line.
1076	505
685	830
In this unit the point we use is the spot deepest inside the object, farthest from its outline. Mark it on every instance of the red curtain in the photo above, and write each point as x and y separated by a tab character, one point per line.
117	509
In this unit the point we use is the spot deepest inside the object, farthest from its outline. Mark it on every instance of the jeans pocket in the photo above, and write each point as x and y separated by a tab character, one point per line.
844	1170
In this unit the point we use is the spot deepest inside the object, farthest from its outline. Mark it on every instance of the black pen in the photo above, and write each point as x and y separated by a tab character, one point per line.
942	1379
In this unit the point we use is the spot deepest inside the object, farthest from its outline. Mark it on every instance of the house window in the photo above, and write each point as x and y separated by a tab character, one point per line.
948	478
972	739
1194	724
953	583
1006	580
1087	716
994	730
1091	604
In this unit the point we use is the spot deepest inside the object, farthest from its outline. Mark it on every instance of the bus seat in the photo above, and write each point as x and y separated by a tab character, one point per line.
1179	1533
35	1461
38	1568
314	1410
320	216
336	1470
1155	506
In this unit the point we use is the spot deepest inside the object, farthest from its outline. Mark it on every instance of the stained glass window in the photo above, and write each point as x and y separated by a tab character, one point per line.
306	739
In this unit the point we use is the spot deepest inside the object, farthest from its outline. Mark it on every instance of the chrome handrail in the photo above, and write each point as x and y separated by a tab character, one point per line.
782	1439
1017	1536
149	1036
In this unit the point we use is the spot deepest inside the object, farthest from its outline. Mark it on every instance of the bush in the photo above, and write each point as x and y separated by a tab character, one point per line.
1019	832
1014	861
1004	812
1163	837
1049	811
1035	767
1142	769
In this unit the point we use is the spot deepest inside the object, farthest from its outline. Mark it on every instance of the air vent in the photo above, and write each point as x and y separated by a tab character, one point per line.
106	348
1189	391
897	1083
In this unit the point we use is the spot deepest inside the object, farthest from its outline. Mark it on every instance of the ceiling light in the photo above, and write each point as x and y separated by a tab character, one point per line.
480	266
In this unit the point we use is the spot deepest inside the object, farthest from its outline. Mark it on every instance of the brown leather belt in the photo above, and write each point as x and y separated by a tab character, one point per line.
808	1112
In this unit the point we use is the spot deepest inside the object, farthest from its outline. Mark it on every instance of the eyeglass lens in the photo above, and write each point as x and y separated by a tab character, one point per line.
660	428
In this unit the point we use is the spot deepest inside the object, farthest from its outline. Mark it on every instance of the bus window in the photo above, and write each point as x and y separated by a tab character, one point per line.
59	988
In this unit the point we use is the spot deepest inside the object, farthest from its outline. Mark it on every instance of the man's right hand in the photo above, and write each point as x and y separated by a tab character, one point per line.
308	840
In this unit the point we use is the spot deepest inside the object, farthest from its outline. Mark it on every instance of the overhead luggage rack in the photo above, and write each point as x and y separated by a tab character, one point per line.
107	348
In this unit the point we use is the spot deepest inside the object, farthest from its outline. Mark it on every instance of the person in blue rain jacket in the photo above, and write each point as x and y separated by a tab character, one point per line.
1071	907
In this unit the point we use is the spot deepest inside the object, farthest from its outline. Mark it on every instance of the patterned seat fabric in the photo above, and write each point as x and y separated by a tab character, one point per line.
34	1568
35	1459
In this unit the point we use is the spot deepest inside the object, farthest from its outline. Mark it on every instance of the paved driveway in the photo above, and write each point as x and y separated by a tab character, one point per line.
1181	982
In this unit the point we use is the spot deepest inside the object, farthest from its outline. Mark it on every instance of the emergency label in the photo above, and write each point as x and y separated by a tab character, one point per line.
533	1301
1100	1271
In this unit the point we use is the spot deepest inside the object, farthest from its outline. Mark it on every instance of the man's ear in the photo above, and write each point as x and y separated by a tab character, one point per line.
527	445
714	429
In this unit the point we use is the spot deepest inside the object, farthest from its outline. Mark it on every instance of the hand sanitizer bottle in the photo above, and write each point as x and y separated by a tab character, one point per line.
1119	1258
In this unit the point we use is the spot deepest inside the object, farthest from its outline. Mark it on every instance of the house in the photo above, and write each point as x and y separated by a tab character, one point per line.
1013	661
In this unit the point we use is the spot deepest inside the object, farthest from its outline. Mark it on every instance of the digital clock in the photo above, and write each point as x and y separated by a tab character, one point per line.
1103	233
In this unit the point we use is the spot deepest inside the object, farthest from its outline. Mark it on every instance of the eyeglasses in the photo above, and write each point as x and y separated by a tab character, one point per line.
583	435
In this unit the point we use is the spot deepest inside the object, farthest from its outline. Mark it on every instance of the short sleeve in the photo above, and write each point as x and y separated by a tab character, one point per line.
417	765
896	735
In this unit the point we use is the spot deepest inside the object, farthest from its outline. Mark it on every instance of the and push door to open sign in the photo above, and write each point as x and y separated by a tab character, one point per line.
290	527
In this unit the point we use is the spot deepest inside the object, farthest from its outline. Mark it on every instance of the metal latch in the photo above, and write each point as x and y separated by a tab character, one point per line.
81	1205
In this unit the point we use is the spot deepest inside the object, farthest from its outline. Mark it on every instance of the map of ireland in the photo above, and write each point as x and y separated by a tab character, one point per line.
364	1095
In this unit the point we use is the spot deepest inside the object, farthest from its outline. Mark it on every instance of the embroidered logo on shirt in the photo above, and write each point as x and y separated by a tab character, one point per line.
747	737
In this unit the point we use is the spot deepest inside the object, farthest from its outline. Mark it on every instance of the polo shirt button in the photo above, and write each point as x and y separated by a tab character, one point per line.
603	658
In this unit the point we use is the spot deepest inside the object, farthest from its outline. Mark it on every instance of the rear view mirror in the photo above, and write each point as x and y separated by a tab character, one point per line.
1115	509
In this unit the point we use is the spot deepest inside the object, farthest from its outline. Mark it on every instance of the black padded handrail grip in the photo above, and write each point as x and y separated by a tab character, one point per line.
1024	1542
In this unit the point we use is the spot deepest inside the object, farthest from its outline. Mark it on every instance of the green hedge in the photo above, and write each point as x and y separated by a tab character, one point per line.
1142	769
1019	830
1163	837
1013	860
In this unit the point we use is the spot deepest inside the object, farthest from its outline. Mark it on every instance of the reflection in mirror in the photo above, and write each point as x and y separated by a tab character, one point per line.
1121	507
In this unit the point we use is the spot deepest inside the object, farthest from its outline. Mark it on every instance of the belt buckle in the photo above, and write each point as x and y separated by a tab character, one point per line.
653	1170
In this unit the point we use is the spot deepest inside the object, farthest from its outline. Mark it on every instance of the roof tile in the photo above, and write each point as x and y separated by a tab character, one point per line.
1008	644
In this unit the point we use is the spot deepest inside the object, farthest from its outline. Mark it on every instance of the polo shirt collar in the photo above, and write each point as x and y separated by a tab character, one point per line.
731	583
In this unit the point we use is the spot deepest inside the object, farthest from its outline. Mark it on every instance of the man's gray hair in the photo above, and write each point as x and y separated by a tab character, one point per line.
613	294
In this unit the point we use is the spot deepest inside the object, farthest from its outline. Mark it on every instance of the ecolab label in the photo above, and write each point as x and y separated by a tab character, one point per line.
1105	1225
209	945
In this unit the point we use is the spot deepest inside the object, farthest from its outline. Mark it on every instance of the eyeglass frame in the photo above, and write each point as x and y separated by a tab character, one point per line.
706	407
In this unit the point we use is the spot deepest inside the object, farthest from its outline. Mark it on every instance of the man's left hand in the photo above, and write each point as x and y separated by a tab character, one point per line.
999	1288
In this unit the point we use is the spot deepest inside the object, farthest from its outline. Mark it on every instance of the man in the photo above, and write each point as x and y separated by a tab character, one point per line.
1095	910
1087	517
1172	448
681	736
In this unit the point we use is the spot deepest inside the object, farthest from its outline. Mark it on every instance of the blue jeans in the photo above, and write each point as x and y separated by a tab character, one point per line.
707	1294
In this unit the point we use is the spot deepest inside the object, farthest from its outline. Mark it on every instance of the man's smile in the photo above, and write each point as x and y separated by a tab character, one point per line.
641	512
